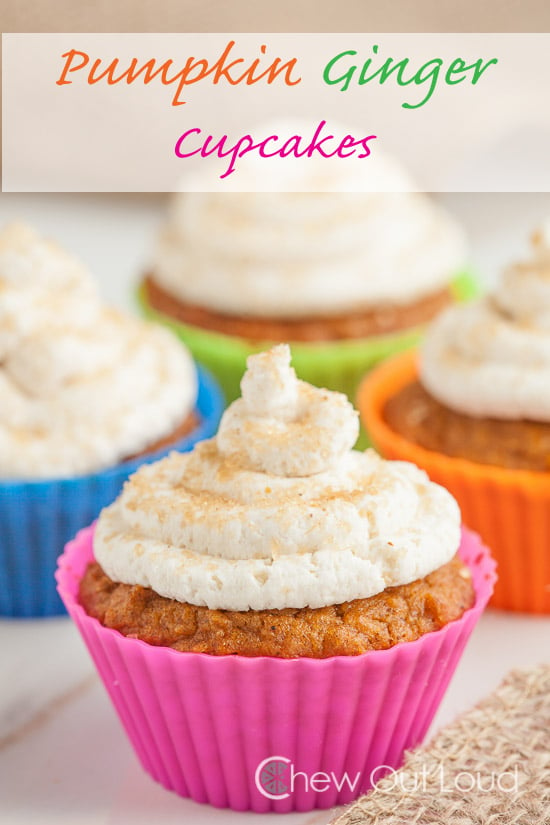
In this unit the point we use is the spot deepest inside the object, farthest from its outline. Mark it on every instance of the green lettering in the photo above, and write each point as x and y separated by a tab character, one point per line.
346	77
386	70
480	67
458	66
431	76
427	75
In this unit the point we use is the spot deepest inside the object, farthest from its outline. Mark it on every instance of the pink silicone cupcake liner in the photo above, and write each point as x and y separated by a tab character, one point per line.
267	734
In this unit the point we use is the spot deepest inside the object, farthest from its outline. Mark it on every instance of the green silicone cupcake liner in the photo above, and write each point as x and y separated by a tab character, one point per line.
337	365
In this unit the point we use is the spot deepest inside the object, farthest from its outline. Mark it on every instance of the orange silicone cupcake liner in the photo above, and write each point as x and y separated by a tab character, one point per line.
509	508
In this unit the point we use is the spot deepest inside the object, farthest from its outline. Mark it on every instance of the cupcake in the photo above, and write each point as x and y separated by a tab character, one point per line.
274	601
346	277
474	411
86	394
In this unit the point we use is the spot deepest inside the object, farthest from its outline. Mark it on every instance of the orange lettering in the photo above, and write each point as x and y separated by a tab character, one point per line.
67	68
193	70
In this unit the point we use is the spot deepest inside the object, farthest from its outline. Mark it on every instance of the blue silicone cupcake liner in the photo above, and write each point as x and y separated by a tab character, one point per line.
37	518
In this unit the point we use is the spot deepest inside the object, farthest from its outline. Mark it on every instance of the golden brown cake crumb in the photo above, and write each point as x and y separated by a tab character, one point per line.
420	418
363	323
398	614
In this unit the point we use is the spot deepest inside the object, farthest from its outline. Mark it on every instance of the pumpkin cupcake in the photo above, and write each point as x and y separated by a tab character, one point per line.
86	394
474	410
347	277
273	567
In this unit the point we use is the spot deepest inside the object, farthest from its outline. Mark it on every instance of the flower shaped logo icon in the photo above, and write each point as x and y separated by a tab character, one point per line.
272	777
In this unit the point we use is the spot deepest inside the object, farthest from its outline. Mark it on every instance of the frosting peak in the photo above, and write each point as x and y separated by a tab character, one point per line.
277	511
269	386
492	357
81	386
284	426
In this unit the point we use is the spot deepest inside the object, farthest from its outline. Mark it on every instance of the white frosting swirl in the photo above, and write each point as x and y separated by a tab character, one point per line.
81	386
283	426
492	357
305	253
242	529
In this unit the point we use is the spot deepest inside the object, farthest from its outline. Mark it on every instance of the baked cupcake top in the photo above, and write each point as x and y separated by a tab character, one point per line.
303	254
277	510
491	357
81	386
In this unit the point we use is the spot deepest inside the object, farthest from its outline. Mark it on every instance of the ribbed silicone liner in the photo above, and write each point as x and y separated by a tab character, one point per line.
509	508
37	518
201	725
335	365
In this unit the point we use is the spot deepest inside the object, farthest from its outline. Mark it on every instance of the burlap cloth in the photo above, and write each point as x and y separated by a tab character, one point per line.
501	747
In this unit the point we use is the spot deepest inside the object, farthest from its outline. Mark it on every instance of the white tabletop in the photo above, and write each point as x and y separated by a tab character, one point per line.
63	755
